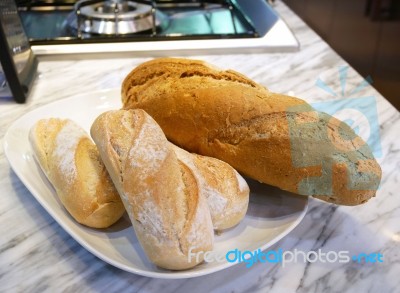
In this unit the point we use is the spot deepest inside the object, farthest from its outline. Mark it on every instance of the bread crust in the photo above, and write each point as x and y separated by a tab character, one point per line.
71	162
264	135
169	214
226	191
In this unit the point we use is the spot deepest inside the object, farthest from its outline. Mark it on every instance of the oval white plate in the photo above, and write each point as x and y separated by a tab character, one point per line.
272	213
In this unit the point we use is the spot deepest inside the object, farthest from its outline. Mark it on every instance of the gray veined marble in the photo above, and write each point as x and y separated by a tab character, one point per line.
37	255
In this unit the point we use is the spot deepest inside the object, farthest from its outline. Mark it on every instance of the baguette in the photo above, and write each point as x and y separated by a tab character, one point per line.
227	193
168	213
273	138
71	162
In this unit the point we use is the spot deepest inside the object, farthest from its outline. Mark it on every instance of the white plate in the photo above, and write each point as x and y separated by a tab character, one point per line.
272	213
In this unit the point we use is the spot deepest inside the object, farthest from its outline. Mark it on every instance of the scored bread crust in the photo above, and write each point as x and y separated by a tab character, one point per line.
71	162
227	192
169	215
226	115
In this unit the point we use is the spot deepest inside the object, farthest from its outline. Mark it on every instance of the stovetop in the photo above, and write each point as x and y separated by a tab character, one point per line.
183	26
187	20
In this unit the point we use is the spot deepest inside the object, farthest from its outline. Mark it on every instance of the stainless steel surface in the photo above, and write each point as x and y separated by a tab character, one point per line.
17	63
278	39
191	27
113	17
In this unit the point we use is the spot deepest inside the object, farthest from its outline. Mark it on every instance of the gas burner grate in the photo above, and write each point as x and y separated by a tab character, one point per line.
114	17
124	17
159	25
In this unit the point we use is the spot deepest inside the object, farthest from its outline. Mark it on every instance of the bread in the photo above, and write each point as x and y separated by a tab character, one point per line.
227	193
169	214
273	138
71	162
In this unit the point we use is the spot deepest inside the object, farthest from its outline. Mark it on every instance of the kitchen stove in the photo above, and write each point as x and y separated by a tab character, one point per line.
112	17
158	27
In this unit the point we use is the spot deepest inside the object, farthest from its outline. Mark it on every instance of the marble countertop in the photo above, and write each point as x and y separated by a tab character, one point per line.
37	255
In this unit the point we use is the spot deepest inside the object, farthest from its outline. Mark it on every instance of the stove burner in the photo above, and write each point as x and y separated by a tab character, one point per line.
114	17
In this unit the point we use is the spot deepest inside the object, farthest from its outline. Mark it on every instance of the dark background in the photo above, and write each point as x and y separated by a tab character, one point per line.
366	33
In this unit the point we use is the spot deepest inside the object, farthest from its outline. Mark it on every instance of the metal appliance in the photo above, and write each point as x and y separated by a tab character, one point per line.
162	27
17	62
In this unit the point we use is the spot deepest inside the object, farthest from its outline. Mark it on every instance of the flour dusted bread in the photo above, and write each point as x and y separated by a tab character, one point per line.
73	165
227	192
273	138
161	195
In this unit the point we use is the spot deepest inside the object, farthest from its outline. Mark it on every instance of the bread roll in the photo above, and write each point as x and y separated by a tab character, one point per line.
227	192
273	138
169	214
73	165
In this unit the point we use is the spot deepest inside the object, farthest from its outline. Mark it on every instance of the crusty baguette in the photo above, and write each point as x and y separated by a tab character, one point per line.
227	192
71	162
273	138
169	214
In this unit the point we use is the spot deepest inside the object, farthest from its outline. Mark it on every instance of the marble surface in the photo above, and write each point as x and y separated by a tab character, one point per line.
37	255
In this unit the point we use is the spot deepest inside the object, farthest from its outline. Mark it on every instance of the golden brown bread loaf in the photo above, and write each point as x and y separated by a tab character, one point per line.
273	138
227	193
73	165
169	214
